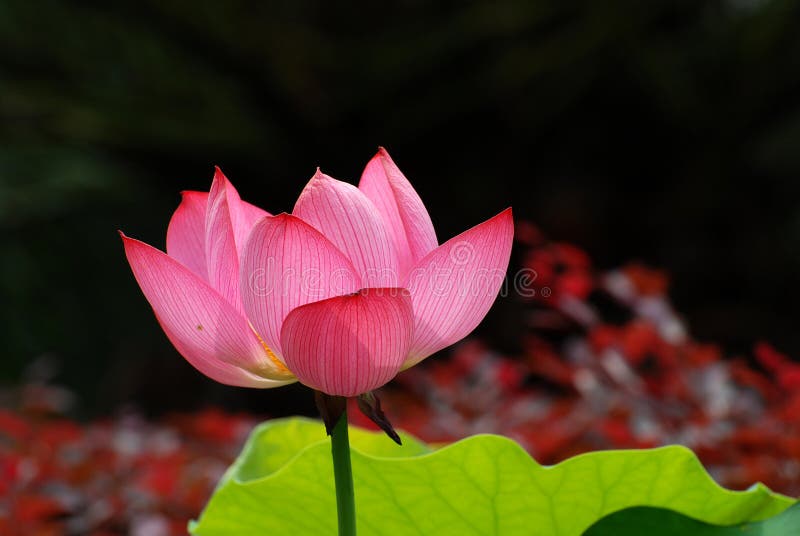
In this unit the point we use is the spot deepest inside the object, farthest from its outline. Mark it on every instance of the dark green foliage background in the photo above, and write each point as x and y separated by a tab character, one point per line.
667	131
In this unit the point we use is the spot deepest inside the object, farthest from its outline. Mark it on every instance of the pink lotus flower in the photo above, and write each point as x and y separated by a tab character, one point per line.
342	294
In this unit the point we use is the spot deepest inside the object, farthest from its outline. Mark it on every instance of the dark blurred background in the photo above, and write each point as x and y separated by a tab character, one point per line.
663	131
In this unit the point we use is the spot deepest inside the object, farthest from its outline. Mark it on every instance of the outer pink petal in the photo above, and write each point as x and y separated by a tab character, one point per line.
246	217
222	258
349	345
205	329
186	234
454	286
407	220
286	264
347	218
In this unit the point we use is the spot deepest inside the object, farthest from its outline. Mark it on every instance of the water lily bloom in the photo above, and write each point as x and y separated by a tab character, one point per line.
342	294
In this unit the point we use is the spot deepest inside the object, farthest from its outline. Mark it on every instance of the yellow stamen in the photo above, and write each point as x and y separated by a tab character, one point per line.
272	357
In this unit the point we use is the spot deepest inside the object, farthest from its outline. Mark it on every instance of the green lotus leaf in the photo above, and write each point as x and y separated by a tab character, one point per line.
282	483
659	522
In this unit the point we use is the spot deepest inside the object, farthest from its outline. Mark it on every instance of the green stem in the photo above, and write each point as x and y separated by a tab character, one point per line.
343	474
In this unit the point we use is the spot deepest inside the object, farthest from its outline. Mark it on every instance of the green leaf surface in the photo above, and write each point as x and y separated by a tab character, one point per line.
659	522
483	485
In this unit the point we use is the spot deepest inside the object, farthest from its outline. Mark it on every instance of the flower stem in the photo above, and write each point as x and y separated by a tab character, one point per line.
343	474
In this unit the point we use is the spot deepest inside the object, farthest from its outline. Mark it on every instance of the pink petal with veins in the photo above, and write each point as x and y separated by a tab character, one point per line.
347	218
348	345
407	221
186	234
454	286
229	221
286	264
206	329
